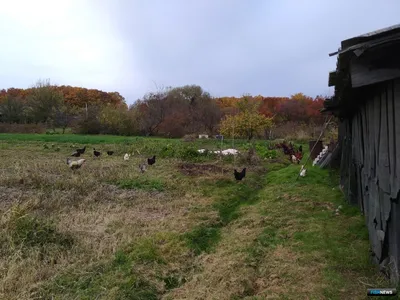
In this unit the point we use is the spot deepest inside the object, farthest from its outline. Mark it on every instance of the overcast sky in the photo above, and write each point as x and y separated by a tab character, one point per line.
229	47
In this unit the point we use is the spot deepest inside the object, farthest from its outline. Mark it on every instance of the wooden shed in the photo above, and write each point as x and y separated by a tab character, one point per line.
367	102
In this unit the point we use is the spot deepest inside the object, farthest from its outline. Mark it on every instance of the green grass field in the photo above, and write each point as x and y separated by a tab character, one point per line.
185	229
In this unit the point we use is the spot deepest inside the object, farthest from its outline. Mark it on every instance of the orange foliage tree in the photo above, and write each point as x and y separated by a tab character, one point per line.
171	112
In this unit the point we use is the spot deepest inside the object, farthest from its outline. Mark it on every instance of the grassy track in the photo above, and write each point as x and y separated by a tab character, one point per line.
182	230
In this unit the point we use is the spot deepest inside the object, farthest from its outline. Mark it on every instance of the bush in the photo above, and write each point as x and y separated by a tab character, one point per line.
89	126
189	137
296	131
22	128
29	231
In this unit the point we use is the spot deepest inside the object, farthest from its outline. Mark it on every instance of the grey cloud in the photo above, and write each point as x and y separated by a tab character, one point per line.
229	47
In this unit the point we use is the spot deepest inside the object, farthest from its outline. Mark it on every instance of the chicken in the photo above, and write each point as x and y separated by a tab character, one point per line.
294	159
96	153
126	156
301	148
302	171
240	175
81	151
299	156
76	154
287	149
151	161
75	164
142	168
110	152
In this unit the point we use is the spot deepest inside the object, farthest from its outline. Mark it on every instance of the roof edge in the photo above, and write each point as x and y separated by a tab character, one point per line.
358	41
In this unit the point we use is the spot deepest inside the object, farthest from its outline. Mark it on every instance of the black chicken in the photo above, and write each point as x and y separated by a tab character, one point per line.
81	151
288	149
110	152
96	153
301	148
76	154
240	175
151	161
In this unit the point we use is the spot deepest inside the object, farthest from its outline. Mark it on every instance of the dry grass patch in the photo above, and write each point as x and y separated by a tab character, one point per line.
104	206
225	272
281	275
166	234
191	169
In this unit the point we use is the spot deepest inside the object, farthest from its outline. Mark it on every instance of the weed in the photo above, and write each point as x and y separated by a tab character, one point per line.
106	280
30	231
142	183
203	238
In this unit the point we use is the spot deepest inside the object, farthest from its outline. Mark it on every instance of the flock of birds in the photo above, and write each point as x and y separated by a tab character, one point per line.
295	155
76	164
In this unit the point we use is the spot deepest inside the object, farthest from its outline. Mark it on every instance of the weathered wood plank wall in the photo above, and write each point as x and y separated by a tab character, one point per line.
370	169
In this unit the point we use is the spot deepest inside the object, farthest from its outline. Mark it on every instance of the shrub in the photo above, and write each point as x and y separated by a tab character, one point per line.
296	131
22	128
189	138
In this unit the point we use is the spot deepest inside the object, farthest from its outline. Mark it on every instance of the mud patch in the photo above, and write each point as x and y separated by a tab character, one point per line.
200	169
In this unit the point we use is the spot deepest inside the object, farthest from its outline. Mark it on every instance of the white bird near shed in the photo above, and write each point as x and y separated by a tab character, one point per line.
126	156
303	171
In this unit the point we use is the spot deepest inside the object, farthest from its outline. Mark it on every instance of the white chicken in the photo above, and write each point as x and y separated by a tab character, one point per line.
294	159
75	164
126	156
303	171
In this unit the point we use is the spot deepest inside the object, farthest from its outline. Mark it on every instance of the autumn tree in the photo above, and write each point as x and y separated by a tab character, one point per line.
245	125
89	121
153	110
171	112
11	110
44	103
298	108
118	120
65	114
197	109
208	114
248	123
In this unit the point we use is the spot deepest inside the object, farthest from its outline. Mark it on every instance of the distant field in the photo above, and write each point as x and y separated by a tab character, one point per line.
105	139
182	230
70	138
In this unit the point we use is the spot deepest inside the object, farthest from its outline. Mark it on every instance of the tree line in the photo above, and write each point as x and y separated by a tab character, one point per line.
169	112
